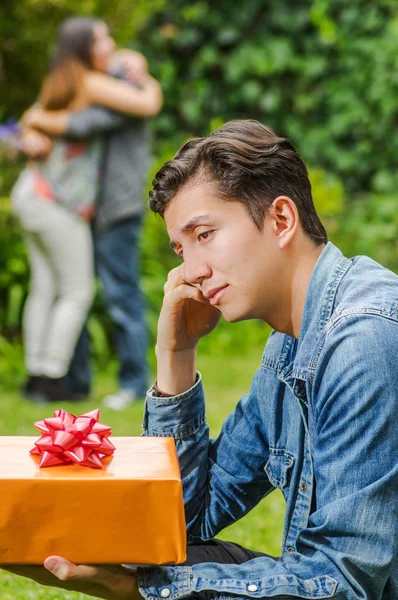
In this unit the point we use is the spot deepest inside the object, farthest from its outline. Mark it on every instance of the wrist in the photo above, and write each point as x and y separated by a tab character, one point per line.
176	371
124	587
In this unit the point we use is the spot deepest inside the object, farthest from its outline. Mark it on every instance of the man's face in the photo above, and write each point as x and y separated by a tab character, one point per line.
233	263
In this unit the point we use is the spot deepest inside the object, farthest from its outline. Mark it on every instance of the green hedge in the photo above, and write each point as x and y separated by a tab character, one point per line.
322	72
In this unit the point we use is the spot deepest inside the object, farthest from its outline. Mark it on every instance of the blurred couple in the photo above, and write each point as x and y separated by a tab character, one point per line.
80	202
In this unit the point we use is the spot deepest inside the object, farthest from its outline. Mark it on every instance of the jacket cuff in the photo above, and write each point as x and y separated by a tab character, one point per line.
166	583
175	416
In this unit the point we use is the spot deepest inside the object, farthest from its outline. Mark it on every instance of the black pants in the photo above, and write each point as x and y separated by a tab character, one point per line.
218	551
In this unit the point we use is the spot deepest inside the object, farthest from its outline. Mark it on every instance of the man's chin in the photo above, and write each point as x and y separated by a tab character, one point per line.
232	316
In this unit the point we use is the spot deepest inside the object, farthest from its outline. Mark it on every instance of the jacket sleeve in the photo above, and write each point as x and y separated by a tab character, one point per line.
95	120
220	482
355	411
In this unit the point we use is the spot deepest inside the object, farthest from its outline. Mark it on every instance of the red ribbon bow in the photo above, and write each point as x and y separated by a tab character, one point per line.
66	439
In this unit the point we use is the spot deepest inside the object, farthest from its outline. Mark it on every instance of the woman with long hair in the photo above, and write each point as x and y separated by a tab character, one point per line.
54	200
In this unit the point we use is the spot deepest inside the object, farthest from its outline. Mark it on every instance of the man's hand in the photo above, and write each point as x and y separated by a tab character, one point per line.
32	116
135	65
35	144
111	582
186	316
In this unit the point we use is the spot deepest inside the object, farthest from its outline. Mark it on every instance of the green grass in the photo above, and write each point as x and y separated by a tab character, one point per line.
226	380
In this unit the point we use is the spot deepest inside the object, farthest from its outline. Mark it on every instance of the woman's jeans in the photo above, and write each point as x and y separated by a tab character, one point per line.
117	261
62	280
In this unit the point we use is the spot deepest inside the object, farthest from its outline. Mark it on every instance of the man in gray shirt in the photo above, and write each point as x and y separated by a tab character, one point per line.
116	230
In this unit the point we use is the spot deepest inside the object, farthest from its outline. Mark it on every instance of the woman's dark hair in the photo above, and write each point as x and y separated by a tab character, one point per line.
75	39
248	163
72	57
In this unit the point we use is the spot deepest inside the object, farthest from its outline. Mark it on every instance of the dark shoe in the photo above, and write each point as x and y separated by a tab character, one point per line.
78	388
31	388
56	390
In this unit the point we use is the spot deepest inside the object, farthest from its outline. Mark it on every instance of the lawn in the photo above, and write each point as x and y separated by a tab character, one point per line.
226	380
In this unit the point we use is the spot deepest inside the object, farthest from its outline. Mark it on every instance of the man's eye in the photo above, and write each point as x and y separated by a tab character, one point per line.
205	235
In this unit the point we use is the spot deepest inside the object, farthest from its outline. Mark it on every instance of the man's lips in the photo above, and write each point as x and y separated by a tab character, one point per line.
214	295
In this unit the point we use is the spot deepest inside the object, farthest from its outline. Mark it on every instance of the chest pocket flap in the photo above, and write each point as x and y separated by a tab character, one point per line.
278	467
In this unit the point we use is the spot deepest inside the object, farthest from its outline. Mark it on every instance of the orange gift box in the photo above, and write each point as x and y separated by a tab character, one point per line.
130	511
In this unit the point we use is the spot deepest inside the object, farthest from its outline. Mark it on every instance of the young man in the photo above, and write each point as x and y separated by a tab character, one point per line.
320	419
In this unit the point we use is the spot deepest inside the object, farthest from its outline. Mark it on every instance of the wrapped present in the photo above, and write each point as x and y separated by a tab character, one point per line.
129	509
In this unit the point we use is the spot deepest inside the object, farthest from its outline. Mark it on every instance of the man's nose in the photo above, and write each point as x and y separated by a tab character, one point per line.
195	272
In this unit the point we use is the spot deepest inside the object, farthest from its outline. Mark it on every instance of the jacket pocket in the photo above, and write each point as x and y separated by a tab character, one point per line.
278	467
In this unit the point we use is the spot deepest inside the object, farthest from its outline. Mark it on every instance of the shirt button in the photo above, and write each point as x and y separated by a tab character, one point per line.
252	587
290	549
165	593
303	487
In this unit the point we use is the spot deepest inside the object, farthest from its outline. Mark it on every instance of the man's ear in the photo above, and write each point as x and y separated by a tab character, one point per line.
284	216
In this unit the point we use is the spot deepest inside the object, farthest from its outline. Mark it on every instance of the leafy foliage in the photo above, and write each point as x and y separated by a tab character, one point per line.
28	29
371	228
321	72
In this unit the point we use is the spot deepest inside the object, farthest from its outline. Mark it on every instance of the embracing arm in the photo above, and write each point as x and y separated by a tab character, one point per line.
94	120
144	100
76	124
113	103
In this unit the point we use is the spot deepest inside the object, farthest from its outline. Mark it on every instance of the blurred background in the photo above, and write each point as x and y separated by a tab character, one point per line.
324	73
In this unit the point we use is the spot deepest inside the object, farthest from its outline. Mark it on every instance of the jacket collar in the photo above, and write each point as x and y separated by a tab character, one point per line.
295	358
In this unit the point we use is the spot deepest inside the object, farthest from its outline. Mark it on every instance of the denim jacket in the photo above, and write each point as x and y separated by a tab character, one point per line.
321	424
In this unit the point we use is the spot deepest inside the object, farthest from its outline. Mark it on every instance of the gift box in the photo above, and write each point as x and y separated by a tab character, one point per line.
129	511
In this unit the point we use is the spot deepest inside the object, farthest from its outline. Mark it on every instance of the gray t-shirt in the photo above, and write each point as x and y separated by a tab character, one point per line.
125	160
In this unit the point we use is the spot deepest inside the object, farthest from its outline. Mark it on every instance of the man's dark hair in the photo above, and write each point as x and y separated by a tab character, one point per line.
249	164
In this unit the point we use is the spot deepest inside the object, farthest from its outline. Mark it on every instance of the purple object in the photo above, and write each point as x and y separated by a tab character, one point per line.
10	134
9	129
